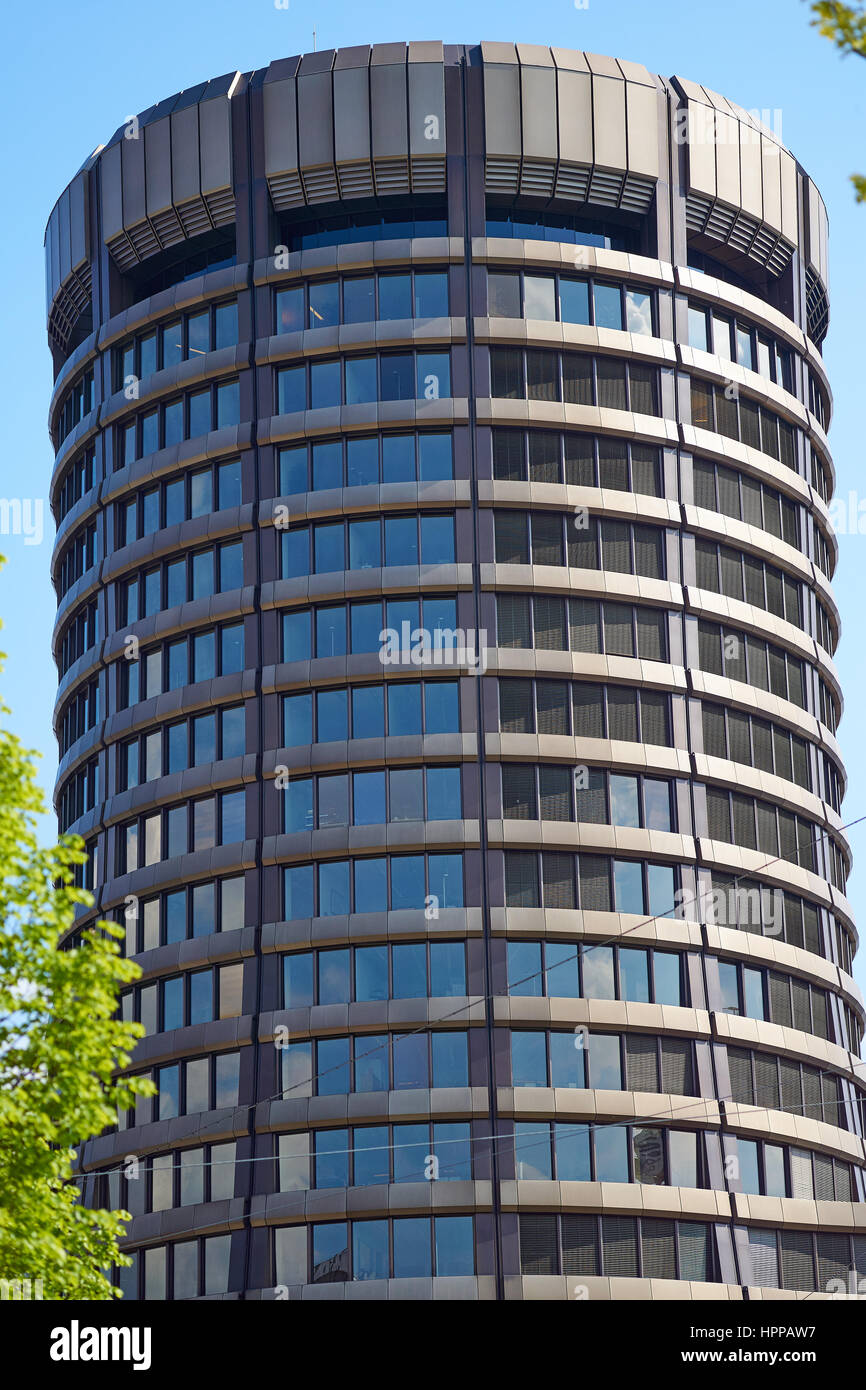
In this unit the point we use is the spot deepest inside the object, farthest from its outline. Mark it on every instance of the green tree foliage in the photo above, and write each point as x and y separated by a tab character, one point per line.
845	26
60	1046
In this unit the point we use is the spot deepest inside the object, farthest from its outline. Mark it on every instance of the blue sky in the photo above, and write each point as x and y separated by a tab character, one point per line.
81	69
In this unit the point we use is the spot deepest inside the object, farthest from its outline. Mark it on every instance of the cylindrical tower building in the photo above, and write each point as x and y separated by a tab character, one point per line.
445	642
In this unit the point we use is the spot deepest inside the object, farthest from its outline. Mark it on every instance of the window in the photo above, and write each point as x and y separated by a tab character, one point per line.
585	625
371	711
736	340
585	709
372	797
197	574
187	1087
337	629
742	657
390	376
593	882
205	738
602	1061
564	969
759	743
515	294
189	335
375	1062
551	538
525	223
574	378
365	460
743	419
181	661
179	1001
78	479
362	299
419	221
775	1083
368	543
543	456
589	794
624	1246
181	829
409	970
407	1247
619	1153
77	402
375	884
372	1154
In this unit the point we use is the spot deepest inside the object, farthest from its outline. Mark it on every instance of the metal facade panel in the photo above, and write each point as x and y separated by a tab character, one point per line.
281	126
215	126
643	139
185	173
63	234
110	190
538	108
132	161
750	170
608	121
315	119
389	108
788	172
700	145
727	158
426	98
771	182
351	114
157	152
79	241
574	96
502	109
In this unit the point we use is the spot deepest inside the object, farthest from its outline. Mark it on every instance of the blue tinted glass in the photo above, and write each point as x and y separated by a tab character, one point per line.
228	410
297	720
332	1158
607	306
331	631
395	297
231	649
371	1064
169	1091
440	619
437	540
359	300
753	993
611	1154
204	739
368	712
370	1249
324	303
633	975
404	708
441	707
446	879
172	1004
371	972
774	1171
231	566
398	458
444	801
200	996
366	626
175	916
410	971
324	385
371	885
229	484
660	881
628	886
298	892
328	464
667	987
433	375
291	390
605	1069
360	380
532	1158
364	545
401	540
397	376
405	794
329	547
431	294
572	1153
412	1255
455	1248
330	1252
295	547
435	460
573	301
334	977
528	1059
296	636
177	747
226	1077
452	1146
407	881
177	664
567	1059
371	1157
334	888
369	798
293	470
750	1180
297	1069
524	968
232	817
332	715
290	310
410	1061
298	805
362	462
410	1153
562	977
332	1065
624	800
298	980
447	969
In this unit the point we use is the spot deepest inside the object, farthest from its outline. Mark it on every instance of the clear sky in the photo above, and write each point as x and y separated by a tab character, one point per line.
76	71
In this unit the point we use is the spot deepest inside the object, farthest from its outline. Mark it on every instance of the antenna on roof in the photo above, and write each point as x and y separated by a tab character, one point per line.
314	40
